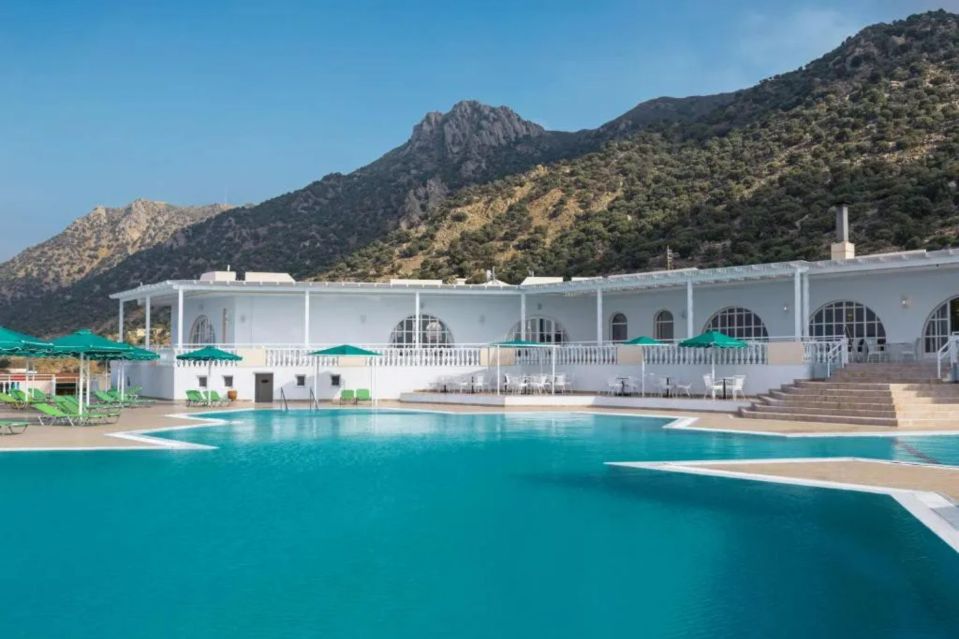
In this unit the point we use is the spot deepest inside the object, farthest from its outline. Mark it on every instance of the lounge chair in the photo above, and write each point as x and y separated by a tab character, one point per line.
10	400
195	398
347	395
37	395
363	395
11	424
20	396
129	397
216	399
54	415
97	413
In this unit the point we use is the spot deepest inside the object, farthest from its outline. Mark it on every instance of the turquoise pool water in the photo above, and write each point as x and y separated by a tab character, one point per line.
355	524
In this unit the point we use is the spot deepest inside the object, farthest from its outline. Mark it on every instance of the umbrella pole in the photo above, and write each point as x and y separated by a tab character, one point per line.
316	374
80	385
209	380
643	373
712	352
372	381
497	370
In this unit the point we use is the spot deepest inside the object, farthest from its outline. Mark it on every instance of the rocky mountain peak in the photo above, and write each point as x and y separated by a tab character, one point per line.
471	126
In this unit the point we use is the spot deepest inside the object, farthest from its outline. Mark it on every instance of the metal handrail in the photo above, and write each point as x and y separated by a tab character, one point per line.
286	405
947	350
314	402
839	353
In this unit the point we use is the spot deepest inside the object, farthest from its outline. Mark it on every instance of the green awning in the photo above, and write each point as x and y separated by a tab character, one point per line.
345	350
209	354
14	343
643	340
713	339
521	343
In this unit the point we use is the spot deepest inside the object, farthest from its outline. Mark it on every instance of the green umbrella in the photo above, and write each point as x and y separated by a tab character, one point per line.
524	343
343	350
87	346
713	340
209	354
644	340
14	343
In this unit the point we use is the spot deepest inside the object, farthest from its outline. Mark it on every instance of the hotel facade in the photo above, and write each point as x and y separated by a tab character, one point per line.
802	320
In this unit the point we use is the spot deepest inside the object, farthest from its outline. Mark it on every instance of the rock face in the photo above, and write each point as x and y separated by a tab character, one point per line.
95	242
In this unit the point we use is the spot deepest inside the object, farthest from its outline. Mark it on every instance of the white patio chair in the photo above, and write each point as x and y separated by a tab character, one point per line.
739	384
662	386
462	384
560	383
681	386
537	383
711	386
479	383
632	385
613	385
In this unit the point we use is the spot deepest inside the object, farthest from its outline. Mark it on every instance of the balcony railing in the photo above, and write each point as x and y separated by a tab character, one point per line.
475	355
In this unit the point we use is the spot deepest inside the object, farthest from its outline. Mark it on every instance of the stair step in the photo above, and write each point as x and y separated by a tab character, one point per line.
794	402
805	417
812	410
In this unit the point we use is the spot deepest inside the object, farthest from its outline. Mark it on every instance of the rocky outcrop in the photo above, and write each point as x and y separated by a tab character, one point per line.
96	242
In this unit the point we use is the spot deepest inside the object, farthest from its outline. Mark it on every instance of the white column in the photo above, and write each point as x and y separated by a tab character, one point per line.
120	323
689	309
805	305
179	318
146	312
416	320
306	319
599	316
522	316
797	304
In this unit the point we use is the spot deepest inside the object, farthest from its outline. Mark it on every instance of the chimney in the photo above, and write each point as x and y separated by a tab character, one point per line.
842	248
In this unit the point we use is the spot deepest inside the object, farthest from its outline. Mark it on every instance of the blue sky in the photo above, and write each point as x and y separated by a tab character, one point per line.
196	102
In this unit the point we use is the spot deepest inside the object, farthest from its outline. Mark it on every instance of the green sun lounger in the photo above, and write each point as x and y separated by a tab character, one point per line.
98	413
195	398
19	395
216	399
11	425
347	396
53	415
10	400
363	395
37	395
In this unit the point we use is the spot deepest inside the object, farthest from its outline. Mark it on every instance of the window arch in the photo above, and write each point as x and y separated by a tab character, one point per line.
202	331
851	320
433	332
943	322
663	328
540	329
738	322
618	328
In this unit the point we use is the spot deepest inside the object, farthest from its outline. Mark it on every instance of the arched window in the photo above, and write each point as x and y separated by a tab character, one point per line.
847	319
618	328
202	331
433	332
943	322
738	322
663	326
540	329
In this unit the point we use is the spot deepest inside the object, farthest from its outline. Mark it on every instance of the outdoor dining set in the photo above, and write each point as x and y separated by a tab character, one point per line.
664	386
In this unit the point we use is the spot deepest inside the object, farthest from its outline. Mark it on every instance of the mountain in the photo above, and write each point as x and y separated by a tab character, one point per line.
725	179
749	176
94	243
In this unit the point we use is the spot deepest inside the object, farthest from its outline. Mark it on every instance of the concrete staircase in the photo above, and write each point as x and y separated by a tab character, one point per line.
902	395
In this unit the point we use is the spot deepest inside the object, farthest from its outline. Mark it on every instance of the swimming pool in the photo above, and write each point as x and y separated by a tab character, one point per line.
352	523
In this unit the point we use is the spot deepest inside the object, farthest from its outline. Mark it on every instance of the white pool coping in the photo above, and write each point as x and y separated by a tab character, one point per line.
933	510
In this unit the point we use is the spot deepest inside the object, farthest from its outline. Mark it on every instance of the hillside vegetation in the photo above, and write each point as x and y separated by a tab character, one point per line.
874	124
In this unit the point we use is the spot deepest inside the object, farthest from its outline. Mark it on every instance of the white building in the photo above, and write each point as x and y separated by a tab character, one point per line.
798	316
